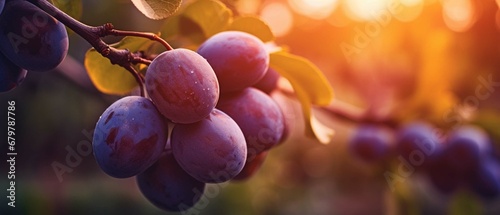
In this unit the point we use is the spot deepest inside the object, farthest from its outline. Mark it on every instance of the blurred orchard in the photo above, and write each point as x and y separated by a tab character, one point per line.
396	61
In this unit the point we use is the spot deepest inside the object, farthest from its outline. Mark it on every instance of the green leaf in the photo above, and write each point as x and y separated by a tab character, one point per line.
157	9
109	78
253	25
305	75
72	8
311	87
170	27
211	16
182	27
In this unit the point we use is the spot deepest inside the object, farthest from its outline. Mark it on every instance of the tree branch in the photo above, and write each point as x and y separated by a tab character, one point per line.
93	35
348	112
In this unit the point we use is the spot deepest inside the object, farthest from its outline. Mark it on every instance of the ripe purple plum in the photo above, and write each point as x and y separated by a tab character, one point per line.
371	143
239	59
31	38
168	186
417	138
439	173
212	150
182	85
11	75
442	177
129	137
465	147
252	165
2	4
485	181
269	82
258	116
463	160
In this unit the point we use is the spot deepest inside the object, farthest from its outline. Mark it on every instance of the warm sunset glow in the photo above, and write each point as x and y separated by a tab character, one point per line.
410	3
365	9
339	19
409	10
316	9
279	18
497	19
458	14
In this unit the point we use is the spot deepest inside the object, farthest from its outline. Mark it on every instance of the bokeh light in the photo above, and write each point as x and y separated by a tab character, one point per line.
458	14
247	6
409	10
365	9
339	19
316	9
279	18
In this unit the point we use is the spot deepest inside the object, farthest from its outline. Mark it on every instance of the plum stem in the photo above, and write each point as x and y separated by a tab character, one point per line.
147	35
138	77
93	34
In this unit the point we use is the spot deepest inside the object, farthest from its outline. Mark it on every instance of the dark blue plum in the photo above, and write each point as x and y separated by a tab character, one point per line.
182	85
460	160
2	4
239	59
269	82
129	137
258	116
11	75
465	147
212	150
485	180
371	143
168	186
440	174
417	139
31	38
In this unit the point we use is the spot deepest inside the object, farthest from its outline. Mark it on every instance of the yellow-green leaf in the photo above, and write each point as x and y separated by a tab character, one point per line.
212	16
253	25
180	26
304	74
72	8
109	78
170	27
311	87
157	9
313	127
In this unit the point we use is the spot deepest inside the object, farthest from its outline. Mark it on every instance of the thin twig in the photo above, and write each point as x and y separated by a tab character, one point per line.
147	35
137	58
138	78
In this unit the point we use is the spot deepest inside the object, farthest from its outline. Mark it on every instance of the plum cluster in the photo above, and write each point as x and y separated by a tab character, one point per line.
462	159
221	127
30	39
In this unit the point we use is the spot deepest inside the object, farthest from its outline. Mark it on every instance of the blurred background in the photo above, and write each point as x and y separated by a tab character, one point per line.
401	59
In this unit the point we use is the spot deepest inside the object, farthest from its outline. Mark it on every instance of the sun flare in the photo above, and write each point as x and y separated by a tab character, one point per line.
316	9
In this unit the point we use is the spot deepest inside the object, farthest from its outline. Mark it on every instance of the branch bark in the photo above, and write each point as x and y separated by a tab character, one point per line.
93	35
